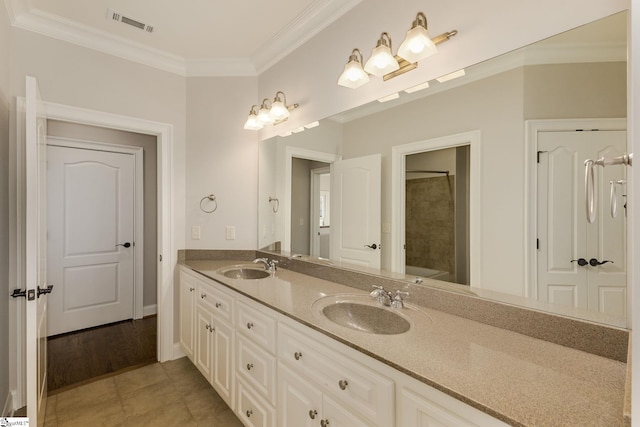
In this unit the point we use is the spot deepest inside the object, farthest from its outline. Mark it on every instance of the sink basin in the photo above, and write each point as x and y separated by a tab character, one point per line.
245	273
366	318
362	313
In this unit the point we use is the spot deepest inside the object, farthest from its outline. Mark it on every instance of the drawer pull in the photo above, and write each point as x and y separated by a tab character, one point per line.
249	413
297	355
218	304
249	366
343	384
203	296
312	414
249	325
324	423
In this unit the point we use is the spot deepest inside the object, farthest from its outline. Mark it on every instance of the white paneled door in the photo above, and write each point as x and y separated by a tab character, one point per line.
355	211
91	232
35	254
580	264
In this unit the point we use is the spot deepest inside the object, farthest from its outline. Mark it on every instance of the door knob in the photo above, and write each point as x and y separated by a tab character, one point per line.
594	262
372	246
581	261
126	244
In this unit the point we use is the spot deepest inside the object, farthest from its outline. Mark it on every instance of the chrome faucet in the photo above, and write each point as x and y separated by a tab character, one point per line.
387	299
270	266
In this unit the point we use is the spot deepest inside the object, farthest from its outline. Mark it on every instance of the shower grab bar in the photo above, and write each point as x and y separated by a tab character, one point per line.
591	199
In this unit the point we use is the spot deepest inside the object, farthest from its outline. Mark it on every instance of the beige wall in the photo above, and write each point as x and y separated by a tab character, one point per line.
149	144
5	36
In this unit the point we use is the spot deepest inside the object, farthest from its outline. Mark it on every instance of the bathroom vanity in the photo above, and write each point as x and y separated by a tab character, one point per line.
278	357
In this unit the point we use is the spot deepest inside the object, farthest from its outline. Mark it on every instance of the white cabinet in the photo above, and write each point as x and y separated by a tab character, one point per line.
187	314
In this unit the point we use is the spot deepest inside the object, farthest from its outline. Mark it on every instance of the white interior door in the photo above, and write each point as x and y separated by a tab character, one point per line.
565	237
35	253
91	232
355	211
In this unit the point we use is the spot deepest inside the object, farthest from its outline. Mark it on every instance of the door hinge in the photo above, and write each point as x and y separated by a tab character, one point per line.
160	257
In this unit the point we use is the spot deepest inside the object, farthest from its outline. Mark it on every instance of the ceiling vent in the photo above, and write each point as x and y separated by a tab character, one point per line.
119	17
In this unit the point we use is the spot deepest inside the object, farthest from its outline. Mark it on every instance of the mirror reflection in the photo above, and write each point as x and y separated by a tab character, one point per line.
481	179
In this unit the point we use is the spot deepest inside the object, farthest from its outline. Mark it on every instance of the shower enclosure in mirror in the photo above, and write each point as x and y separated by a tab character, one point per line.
571	84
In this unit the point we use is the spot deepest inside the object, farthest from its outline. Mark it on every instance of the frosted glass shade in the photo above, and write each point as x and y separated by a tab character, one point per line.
278	111
252	123
353	75
264	117
417	45
381	62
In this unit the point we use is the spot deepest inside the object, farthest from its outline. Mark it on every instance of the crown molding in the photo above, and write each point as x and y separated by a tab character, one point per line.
314	19
309	23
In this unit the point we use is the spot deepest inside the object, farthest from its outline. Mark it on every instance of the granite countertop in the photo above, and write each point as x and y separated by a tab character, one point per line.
520	380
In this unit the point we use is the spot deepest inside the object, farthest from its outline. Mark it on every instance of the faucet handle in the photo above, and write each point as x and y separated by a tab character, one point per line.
377	291
398	301
273	265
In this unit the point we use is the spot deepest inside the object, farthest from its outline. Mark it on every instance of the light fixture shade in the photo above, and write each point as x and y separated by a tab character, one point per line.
252	123
279	111
417	45
353	75
263	114
382	60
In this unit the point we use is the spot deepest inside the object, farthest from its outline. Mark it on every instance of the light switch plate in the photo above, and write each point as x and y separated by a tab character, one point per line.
231	232
195	232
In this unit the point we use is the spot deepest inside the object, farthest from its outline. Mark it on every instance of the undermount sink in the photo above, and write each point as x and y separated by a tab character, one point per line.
244	272
361	313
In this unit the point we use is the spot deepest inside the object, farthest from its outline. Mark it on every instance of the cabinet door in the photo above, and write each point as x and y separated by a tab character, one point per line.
336	415
204	337
299	403
223	361
187	316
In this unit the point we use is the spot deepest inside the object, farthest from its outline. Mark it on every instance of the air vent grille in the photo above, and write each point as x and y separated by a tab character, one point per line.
136	23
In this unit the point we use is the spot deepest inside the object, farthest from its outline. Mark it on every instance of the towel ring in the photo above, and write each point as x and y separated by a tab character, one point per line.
211	198
276	204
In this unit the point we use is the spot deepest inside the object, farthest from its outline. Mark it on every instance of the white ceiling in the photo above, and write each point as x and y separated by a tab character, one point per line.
192	37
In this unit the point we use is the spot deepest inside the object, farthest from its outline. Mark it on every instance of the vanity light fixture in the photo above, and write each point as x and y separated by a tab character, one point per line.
275	113
382	60
417	45
252	122
353	75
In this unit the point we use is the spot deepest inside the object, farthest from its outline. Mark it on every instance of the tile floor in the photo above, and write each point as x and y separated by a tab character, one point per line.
168	394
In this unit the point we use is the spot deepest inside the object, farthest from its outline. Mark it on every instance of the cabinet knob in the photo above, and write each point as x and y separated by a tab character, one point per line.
297	355
192	289
324	423
249	413
249	325
312	414
218	304
343	384
249	366
203	296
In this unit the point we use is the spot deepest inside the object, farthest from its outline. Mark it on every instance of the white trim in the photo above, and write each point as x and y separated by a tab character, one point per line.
166	248
178	352
138	248
300	153
150	310
399	154
314	219
530	193
8	409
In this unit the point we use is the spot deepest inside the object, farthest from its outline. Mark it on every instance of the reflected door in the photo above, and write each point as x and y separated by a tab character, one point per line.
566	241
355	211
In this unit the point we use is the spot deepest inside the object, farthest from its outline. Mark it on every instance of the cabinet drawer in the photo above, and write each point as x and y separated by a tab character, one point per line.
252	409
216	300
257	367
256	325
362	389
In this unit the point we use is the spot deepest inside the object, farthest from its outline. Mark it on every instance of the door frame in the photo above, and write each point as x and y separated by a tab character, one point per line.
314	219
167	250
138	226
530	202
300	153
399	155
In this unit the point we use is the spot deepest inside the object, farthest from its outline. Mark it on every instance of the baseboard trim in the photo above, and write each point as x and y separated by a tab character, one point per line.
8	409
178	352
149	310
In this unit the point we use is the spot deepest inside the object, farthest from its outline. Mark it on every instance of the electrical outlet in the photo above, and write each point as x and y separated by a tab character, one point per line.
231	232
195	232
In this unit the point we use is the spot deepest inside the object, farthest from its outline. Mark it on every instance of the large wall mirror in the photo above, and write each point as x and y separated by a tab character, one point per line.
480	180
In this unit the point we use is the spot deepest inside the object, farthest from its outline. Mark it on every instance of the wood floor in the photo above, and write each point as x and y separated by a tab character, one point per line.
78	357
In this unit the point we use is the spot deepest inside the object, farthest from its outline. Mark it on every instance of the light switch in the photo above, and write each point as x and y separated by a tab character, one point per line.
195	232
231	232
